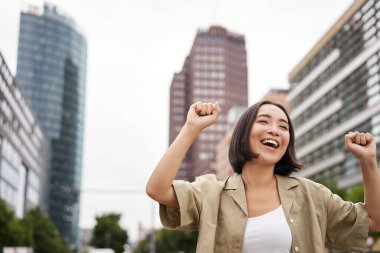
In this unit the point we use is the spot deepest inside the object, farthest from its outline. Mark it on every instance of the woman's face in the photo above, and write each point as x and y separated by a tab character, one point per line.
269	136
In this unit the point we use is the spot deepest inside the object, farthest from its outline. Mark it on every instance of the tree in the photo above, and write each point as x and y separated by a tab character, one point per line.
355	194
12	231
108	233
332	185
34	230
170	241
142	247
46	238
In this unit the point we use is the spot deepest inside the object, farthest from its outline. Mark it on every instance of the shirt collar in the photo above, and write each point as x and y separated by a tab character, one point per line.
235	187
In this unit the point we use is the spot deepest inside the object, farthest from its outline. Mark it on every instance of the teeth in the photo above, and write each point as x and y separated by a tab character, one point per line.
273	142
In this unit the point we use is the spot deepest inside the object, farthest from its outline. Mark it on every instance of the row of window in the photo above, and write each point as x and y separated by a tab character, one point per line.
351	85
347	38
179	84
210	136
207	57
209	66
209	99
209	74
209	92
209	49
209	83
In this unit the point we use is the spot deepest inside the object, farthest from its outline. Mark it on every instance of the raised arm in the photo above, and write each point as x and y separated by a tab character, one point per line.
159	186
363	146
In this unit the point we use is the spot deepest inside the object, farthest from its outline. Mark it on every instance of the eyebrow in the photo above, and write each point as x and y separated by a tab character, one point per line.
268	116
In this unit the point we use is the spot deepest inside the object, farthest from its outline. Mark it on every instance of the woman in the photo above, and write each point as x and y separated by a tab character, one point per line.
261	208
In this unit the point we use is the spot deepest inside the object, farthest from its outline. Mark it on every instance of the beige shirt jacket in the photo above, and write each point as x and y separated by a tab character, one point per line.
218	209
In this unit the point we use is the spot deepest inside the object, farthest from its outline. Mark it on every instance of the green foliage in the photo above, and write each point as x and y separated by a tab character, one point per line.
108	233
46	238
170	241
142	247
34	230
12	230
332	185
355	194
174	240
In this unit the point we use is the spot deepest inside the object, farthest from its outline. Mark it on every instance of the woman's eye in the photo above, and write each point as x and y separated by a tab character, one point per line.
284	127
262	121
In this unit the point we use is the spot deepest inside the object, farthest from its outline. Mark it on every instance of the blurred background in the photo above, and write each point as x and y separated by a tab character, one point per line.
93	92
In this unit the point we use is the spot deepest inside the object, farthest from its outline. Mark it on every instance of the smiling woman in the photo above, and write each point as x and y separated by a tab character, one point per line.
262	208
266	117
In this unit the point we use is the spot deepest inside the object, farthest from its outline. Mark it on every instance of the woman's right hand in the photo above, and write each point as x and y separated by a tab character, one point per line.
202	115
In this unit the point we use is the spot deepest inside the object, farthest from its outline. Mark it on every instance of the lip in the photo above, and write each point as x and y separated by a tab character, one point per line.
269	148
272	139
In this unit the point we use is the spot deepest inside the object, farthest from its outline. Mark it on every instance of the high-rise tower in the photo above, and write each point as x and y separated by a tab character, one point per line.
51	68
215	70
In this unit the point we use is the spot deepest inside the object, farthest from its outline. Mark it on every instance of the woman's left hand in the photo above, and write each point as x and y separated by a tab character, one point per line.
361	145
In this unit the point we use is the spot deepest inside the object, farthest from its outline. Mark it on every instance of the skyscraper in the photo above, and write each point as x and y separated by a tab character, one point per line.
336	89
215	70
51	68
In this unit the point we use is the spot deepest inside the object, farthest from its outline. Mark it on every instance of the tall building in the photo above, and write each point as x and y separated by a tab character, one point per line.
23	148
51	68
335	89
215	70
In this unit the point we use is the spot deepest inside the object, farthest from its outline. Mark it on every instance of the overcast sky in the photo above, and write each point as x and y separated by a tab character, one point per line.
134	47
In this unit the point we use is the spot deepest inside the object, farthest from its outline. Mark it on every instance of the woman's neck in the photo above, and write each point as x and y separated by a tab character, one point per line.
258	175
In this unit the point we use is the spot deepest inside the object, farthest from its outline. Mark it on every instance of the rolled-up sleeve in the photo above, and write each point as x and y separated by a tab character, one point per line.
347	223
190	204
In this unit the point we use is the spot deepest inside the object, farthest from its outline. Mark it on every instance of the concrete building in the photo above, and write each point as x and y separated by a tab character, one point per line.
23	148
335	89
215	70
51	68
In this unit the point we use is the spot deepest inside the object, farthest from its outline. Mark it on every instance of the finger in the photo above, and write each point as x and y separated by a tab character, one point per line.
363	140
204	109
197	107
209	108
368	137
357	138
350	137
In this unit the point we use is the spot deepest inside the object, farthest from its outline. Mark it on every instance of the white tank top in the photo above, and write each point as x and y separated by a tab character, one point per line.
268	233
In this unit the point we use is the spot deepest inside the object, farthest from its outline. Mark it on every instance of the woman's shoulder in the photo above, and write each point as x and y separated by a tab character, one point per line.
211	179
303	183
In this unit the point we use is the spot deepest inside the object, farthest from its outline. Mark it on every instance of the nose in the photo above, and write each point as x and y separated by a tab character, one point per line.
273	130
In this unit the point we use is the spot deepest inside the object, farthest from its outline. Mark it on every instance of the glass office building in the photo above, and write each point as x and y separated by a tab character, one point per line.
336	89
51	68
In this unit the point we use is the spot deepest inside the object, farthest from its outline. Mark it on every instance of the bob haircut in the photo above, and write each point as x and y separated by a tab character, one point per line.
240	152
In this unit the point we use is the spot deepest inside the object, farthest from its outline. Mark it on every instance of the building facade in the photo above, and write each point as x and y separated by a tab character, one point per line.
51	68
336	89
215	70
23	148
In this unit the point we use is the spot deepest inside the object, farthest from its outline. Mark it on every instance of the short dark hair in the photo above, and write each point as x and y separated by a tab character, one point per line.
240	151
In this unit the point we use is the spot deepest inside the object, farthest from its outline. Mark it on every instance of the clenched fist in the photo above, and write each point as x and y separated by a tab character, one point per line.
202	115
361	145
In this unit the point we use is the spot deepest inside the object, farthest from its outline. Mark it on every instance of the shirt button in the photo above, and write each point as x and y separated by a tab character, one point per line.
296	249
291	220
